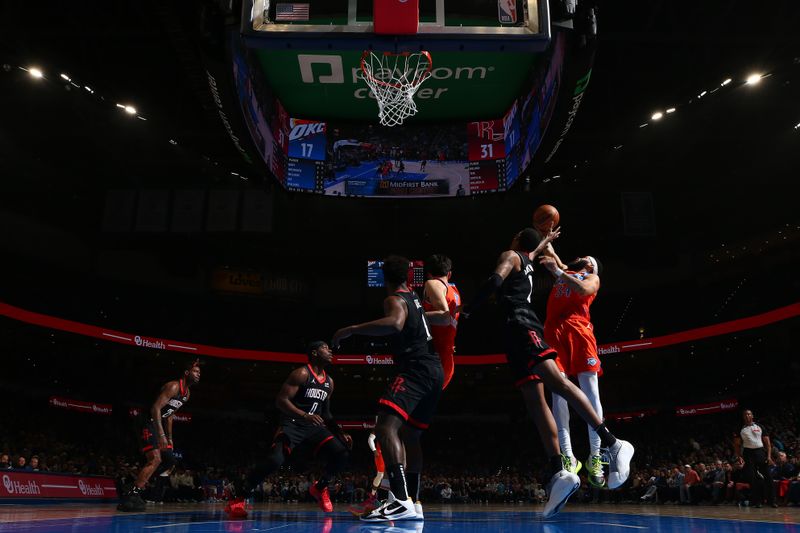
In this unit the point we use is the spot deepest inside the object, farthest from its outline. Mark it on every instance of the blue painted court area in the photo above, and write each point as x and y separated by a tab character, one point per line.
435	522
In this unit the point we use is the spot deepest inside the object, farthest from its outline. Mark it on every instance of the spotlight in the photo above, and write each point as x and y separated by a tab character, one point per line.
129	109
753	79
35	72
65	77
726	82
670	110
657	115
702	94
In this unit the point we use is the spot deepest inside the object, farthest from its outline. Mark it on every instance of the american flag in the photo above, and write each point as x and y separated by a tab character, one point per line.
291	12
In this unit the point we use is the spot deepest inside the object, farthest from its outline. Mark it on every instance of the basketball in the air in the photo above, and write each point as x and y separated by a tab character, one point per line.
545	218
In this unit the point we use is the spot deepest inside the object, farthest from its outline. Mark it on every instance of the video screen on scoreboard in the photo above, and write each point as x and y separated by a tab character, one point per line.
416	274
408	161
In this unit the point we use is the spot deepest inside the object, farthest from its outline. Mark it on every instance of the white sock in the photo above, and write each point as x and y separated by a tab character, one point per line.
561	414
590	387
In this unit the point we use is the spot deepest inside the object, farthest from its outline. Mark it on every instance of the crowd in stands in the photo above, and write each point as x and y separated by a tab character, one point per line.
690	462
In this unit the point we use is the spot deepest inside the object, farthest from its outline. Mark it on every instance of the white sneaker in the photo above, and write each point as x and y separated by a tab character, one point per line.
619	463
562	485
396	510
418	510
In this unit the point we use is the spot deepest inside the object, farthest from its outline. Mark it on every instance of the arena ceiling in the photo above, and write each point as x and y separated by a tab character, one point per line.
719	170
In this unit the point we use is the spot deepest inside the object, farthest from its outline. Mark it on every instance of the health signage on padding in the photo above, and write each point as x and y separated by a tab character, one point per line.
707	408
22	484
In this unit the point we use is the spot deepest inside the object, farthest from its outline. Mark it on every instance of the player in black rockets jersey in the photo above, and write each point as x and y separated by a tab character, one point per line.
532	366
156	435
304	402
408	405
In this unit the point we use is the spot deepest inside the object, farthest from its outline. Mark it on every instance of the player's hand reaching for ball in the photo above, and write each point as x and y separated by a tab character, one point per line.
314	420
551	236
339	336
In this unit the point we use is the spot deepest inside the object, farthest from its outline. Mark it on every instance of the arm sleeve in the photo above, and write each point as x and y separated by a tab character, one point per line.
371	441
489	287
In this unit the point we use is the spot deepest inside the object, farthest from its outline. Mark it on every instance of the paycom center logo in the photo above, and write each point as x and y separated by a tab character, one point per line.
329	69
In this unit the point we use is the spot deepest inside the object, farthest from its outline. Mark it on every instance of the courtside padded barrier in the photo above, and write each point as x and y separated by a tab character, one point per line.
132	339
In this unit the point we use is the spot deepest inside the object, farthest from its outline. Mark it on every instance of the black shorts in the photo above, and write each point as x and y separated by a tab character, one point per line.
148	437
525	348
294	434
414	392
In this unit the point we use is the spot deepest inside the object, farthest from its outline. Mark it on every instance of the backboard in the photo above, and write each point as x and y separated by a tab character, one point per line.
466	25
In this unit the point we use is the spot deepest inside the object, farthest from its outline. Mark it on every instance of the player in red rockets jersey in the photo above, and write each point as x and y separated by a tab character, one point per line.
568	329
442	303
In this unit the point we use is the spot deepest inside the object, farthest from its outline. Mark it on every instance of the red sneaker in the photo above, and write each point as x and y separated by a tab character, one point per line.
236	509
323	498
370	504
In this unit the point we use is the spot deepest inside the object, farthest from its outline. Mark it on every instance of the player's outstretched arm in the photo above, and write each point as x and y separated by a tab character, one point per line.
393	322
506	263
552	235
288	391
550	251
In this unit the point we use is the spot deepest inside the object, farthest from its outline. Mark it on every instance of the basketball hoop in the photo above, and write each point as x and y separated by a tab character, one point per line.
394	79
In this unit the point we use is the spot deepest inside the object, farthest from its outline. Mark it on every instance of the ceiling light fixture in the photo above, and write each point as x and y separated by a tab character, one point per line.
753	79
65	77
657	115
671	110
129	109
726	82
35	72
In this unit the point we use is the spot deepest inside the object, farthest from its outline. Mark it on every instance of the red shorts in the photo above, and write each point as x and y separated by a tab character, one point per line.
444	343
576	347
379	466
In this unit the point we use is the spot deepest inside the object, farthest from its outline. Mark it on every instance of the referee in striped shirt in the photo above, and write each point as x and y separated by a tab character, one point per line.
756	449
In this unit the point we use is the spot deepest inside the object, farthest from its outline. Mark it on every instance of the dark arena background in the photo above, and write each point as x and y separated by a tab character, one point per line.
209	180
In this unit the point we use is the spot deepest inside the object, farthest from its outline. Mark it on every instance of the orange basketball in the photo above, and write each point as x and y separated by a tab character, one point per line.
545	217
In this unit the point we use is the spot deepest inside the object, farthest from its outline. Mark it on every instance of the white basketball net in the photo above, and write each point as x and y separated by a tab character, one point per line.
394	78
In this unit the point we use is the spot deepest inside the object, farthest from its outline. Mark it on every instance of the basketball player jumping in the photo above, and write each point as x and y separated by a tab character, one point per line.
532	365
304	402
442	303
408	405
568	329
156	435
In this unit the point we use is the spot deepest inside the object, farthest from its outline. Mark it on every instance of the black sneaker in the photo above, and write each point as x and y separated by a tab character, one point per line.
132	503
